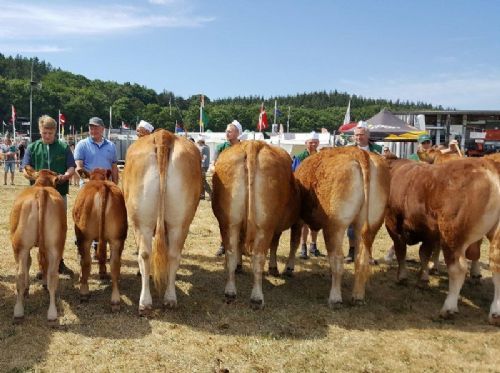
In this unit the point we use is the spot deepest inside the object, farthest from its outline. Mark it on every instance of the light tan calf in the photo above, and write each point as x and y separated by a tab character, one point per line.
38	218
162	185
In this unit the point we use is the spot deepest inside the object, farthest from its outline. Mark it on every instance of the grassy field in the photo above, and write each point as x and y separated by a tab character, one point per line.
397	330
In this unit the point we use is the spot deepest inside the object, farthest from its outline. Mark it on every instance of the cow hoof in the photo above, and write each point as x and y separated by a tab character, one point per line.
104	276
494	319
433	271
18	320
230	297
288	272
402	281
335	305
145	310
239	269
170	304
256	304
358	302
273	271
115	306
53	323
448	314
84	298
475	279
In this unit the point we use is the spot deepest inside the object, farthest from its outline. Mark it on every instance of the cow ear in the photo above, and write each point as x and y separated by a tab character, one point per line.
83	173
30	173
108	174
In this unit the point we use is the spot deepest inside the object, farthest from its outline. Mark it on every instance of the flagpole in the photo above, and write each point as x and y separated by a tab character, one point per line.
288	121
275	110
110	121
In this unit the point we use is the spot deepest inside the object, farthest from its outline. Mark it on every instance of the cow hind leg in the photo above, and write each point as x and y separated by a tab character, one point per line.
425	252
295	233
231	240
457	269
116	247
494	316
143	258
362	267
273	263
434	261
176	237
261	243
52	282
21	284
85	264
333	242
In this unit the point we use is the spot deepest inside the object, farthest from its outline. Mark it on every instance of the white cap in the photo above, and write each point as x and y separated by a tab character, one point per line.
238	126
362	124
312	136
146	125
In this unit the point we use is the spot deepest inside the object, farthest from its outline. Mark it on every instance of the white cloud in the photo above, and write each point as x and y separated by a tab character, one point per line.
15	48
29	21
461	91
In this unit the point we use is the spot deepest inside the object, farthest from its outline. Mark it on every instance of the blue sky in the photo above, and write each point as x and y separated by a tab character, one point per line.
443	52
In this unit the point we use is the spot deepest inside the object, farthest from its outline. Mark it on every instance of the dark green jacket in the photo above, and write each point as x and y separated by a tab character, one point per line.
52	157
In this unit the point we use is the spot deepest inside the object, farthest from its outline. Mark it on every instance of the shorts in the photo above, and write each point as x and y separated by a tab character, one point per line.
10	165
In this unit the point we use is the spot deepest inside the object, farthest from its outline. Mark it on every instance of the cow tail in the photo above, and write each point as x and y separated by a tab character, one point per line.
159	260
251	165
42	206
101	247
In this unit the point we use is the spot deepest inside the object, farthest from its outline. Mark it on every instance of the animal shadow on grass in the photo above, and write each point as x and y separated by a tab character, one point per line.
25	344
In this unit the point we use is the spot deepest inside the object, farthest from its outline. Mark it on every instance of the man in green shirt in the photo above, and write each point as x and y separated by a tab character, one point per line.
52	154
312	143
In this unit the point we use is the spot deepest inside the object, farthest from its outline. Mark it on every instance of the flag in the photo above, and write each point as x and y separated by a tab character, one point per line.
125	126
13	118
13	122
62	122
347	117
203	114
262	125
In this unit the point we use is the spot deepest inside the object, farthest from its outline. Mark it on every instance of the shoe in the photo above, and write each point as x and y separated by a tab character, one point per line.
313	250
350	256
63	270
221	251
303	252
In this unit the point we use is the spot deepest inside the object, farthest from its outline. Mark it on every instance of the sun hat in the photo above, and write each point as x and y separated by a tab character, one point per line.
238	126
146	125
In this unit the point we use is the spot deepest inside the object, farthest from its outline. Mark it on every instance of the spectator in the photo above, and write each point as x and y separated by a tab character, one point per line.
52	154
424	145
144	128
9	153
21	149
312	143
233	133
96	152
205	163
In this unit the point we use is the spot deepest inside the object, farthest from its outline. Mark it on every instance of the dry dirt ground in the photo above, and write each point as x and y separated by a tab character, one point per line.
397	330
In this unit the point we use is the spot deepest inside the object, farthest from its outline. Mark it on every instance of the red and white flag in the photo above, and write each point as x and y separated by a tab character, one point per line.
125	126
262	125
62	119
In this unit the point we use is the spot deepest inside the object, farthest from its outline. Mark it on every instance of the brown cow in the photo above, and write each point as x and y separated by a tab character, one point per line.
340	187
162	185
446	210
255	198
38	218
99	214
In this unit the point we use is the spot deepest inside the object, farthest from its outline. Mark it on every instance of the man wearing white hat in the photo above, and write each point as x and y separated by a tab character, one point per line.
144	128
233	133
312	143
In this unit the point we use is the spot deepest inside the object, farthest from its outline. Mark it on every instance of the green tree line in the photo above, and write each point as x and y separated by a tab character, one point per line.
80	98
